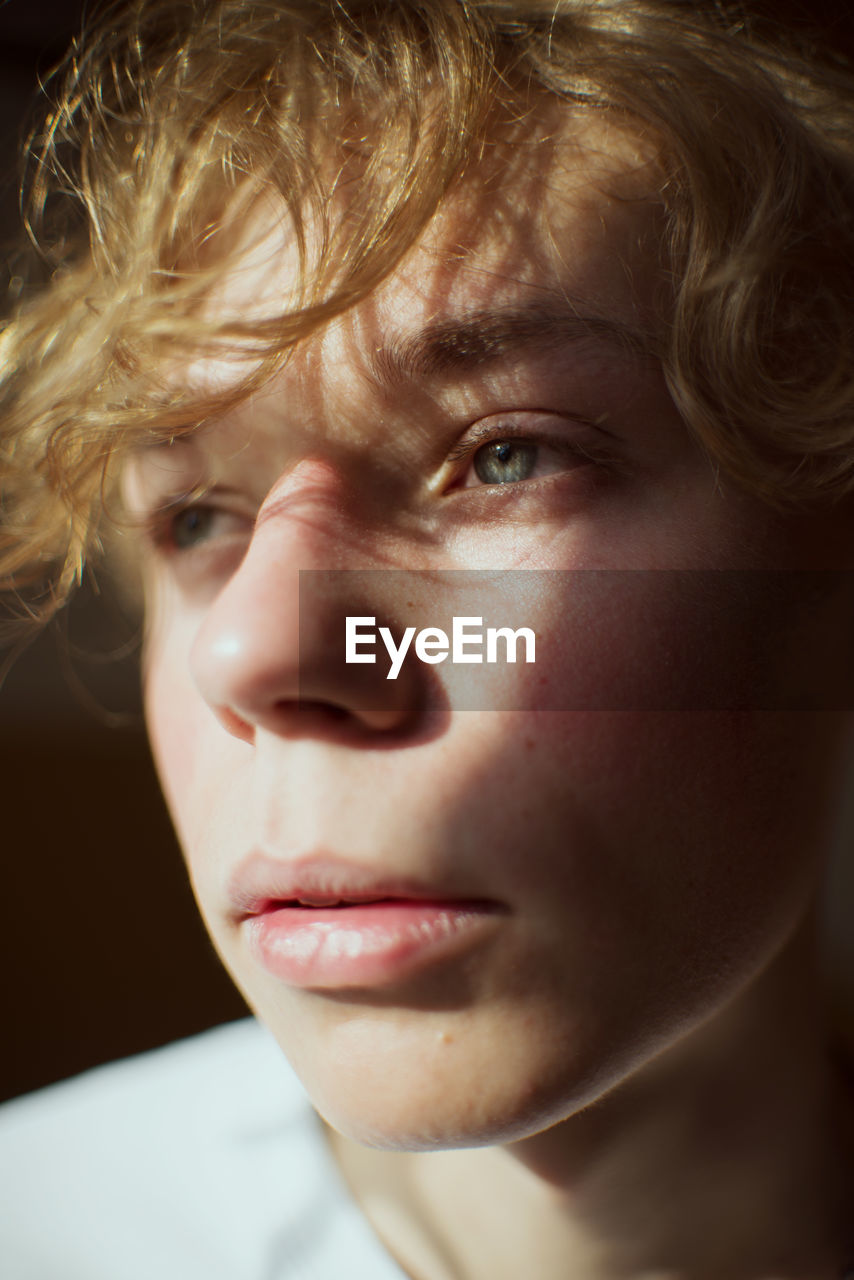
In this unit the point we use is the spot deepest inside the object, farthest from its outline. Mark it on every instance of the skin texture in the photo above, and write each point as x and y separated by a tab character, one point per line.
656	864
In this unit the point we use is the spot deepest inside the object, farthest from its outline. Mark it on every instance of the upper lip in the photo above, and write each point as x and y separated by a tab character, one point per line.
261	882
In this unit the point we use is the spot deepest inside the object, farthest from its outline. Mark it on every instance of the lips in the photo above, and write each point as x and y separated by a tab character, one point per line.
327	923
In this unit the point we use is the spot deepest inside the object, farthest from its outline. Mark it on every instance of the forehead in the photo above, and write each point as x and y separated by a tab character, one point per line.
570	216
564	215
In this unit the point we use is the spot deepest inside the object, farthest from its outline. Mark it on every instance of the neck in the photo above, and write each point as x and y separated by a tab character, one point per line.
731	1156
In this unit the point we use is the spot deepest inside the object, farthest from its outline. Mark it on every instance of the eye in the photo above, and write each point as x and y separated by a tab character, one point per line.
504	453
505	461
181	528
191	526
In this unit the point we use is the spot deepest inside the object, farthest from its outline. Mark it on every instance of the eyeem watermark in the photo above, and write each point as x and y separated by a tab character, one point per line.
432	644
612	640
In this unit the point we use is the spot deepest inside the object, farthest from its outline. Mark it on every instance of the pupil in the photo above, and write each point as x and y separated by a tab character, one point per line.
505	461
188	526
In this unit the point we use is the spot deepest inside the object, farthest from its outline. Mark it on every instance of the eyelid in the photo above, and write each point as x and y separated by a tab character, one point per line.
153	514
156	521
557	436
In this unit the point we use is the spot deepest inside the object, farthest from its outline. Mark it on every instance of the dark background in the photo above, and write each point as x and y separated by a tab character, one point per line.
102	953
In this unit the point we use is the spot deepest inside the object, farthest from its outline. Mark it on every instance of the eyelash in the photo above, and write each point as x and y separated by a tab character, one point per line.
159	525
466	450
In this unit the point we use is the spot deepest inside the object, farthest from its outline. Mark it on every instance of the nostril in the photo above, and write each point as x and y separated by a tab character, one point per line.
312	714
316	706
317	715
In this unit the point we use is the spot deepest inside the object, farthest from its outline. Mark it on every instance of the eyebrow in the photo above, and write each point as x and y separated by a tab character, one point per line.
484	336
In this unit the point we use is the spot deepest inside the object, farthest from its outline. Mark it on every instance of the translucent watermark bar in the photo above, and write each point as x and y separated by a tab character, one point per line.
579	640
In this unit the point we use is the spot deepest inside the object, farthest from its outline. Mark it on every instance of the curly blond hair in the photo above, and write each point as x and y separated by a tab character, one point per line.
169	117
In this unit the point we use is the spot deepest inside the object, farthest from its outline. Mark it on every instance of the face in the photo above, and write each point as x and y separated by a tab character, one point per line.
464	922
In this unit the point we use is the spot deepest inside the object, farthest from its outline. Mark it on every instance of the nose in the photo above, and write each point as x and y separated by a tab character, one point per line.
270	654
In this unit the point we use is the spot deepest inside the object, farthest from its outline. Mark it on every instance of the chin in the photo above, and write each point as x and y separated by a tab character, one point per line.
428	1081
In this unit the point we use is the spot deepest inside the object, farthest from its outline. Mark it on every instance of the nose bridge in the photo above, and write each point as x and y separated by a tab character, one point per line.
311	496
267	645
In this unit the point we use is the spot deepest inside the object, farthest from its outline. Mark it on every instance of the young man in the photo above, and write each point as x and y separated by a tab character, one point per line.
538	318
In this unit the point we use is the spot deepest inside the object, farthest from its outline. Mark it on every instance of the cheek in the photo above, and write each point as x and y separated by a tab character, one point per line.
674	640
172	735
178	721
656	734
681	854
656	755
651	797
657	862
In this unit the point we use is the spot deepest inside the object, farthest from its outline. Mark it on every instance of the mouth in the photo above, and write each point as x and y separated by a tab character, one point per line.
320	922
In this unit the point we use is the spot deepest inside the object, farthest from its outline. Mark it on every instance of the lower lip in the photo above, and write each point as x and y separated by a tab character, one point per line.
364	945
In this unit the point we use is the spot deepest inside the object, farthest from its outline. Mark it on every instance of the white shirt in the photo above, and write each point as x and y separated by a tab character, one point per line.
201	1161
